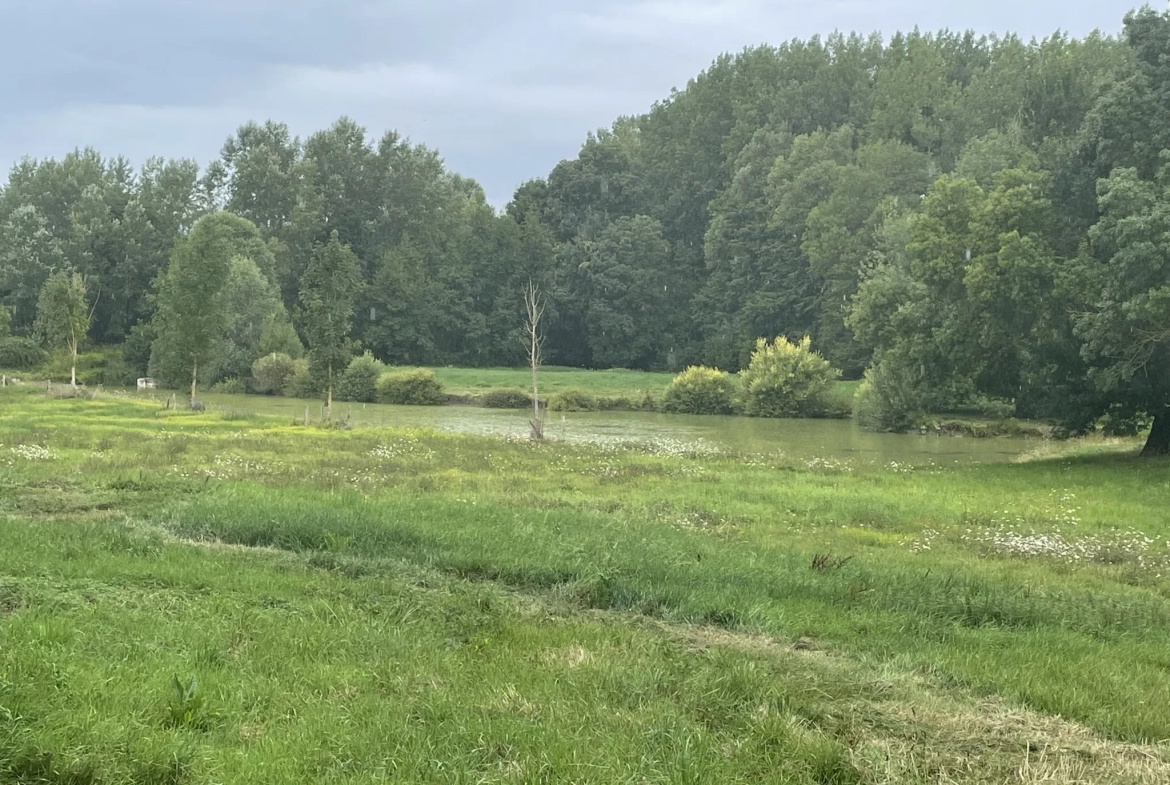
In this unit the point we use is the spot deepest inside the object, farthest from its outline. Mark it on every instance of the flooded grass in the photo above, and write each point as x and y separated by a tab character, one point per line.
411	605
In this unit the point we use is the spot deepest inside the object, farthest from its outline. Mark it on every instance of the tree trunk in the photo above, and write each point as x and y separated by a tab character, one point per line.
535	391
329	393
1159	441
194	378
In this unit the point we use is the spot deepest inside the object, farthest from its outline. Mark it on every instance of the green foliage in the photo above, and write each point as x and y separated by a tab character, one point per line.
1125	327
5	322
630	275
98	366
700	390
278	336
623	403
889	399
29	253
109	371
271	374
506	399
965	309
1121	421
137	349
233	385
359	383
329	289
995	408
787	380
417	387
21	354
302	383
63	314
192	314
572	401
253	305
185	704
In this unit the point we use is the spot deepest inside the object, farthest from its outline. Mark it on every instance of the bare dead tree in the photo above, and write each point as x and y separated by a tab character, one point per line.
534	342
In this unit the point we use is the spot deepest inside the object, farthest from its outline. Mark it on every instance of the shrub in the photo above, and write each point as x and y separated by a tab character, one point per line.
359	383
889	399
113	371
572	401
5	322
231	386
1120	421
272	372
410	388
301	383
787	379
506	399
995	408
699	390
22	354
102	365
277	335
841	400
619	403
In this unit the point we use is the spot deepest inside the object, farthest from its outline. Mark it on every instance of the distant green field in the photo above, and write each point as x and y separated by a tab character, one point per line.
553	379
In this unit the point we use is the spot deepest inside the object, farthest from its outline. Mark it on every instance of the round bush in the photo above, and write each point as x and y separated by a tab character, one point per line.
888	399
271	373
786	379
699	390
301	384
410	388
572	401
359	383
21	354
506	399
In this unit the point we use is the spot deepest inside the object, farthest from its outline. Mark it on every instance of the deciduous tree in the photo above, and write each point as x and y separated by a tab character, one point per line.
63	315
329	290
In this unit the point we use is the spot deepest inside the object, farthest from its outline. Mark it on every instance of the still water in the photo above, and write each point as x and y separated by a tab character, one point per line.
802	439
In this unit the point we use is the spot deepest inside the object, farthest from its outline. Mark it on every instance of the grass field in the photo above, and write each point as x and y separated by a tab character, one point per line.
405	606
553	380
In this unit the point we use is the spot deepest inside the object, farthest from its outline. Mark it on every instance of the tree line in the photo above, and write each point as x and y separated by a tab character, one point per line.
957	218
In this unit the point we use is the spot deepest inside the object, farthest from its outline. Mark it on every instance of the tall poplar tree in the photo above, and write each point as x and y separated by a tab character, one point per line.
329	290
192	316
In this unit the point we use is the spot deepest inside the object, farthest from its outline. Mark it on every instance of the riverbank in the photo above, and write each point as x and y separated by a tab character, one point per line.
568	611
561	390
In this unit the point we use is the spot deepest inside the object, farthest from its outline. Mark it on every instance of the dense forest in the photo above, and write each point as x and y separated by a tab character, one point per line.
955	217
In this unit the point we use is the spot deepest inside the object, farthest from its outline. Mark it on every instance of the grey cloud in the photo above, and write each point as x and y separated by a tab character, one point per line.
504	91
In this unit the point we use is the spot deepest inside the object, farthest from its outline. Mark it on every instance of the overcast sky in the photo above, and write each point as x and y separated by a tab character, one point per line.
504	90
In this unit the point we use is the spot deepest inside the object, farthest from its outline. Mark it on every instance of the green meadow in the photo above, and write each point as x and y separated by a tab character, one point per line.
613	382
222	597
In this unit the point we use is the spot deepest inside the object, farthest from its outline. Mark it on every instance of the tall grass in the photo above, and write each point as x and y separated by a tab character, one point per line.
409	606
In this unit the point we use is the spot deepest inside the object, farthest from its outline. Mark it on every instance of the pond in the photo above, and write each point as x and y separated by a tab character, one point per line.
801	439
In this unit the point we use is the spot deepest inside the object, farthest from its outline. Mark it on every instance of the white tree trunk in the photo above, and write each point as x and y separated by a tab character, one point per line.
329	393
